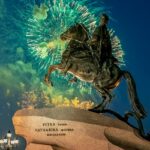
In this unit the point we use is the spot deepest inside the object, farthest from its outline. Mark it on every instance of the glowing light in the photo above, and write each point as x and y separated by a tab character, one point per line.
8	142
9	135
76	103
40	13
5	140
1	141
31	101
51	45
60	15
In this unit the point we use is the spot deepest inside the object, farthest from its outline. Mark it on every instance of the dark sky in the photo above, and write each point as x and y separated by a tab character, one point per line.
131	21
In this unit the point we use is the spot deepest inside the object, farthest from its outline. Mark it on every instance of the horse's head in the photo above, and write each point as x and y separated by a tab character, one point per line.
77	32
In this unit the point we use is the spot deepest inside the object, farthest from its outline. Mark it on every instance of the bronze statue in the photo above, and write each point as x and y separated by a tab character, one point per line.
78	60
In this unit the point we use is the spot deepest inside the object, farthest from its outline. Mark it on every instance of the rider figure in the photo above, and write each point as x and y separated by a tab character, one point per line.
101	43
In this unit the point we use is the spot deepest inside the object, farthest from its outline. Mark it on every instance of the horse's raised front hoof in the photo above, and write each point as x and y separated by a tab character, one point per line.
50	84
47	81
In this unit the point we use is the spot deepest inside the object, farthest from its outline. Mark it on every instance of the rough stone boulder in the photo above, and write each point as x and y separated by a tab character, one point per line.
75	129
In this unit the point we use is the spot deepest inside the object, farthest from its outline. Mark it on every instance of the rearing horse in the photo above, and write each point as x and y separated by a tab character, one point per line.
78	60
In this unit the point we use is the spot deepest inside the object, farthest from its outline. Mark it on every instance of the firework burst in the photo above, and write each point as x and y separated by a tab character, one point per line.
48	20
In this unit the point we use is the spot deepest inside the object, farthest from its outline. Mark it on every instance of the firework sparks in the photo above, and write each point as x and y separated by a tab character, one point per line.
44	25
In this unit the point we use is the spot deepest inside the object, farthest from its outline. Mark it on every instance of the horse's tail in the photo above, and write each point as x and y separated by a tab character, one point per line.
137	106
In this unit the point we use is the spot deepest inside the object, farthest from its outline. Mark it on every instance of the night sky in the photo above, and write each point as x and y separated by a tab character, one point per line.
132	24
131	21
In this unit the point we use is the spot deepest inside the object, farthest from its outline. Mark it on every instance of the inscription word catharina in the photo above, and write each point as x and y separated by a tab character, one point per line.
54	129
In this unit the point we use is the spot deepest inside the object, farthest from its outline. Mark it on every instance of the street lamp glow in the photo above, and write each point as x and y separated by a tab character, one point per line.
1	141
12	142
16	141
9	135
5	140
8	142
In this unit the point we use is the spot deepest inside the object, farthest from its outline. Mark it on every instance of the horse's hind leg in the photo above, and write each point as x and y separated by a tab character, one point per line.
106	98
